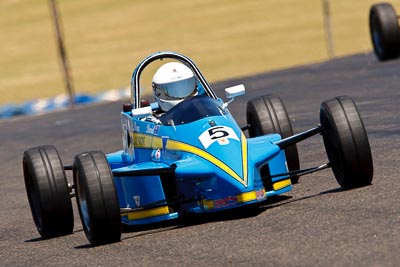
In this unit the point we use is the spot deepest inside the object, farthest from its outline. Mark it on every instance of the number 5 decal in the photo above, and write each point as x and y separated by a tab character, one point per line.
217	132
221	134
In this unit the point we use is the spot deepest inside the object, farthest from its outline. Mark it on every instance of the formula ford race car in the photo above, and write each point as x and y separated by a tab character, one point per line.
385	31
193	159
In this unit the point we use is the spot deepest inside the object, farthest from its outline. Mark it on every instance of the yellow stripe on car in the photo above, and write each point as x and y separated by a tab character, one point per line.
244	157
247	196
144	214
281	184
148	141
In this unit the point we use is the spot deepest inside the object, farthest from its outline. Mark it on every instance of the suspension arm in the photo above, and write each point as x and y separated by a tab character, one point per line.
291	140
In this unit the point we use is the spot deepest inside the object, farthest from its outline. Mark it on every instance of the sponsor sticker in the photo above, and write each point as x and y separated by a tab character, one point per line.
260	194
156	129
135	127
156	155
149	129
225	202
137	200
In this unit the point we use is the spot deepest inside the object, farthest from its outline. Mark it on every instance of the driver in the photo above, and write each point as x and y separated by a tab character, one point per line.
172	83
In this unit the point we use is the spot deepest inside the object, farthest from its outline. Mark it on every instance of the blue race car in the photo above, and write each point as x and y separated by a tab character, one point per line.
191	159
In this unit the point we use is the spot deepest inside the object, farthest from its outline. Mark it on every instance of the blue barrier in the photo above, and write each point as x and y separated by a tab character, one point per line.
60	102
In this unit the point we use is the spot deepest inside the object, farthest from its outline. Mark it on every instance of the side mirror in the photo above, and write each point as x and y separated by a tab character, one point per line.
232	92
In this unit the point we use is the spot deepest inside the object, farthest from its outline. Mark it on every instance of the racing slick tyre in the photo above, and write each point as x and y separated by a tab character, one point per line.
96	198
385	31
266	115
346	142
48	192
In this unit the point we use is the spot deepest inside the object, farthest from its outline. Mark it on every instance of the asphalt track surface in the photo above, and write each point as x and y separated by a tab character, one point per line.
316	224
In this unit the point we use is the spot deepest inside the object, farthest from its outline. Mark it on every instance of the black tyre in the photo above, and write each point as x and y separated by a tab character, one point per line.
48	192
346	142
96	198
385	31
267	114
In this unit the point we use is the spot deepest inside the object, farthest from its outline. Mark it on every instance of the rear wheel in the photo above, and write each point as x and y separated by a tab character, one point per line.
346	142
266	115
96	198
48	192
385	31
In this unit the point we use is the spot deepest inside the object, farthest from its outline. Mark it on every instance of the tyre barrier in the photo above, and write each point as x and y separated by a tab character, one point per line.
60	102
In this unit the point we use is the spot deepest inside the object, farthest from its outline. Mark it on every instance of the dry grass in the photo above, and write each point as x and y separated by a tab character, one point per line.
107	38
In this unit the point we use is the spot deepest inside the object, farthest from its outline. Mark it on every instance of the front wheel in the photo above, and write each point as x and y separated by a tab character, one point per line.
266	115
48	191
346	142
96	198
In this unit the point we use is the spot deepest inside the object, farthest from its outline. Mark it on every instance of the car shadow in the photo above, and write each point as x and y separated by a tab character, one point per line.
189	220
231	214
331	191
33	240
40	239
197	219
227	215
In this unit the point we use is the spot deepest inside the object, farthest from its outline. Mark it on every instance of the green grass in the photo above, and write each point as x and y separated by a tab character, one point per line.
106	39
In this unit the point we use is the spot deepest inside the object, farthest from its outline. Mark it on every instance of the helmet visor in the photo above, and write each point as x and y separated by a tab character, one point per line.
175	90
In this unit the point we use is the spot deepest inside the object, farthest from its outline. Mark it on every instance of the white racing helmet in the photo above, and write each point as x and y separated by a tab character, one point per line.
172	83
